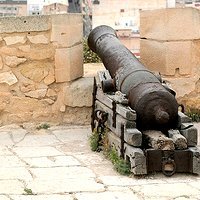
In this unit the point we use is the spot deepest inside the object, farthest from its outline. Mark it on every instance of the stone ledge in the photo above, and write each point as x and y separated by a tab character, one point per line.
25	24
41	23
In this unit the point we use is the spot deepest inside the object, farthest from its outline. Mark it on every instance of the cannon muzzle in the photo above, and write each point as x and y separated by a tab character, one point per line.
155	106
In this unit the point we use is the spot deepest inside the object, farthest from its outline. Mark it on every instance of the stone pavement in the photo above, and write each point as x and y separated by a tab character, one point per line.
57	164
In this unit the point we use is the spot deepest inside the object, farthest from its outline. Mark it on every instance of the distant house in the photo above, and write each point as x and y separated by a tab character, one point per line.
55	8
13	8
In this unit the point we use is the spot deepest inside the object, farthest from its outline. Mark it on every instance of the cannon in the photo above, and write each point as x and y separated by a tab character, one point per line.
156	107
140	110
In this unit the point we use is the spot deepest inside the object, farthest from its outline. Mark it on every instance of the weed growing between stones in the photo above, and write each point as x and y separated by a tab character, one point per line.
94	141
43	126
28	191
122	166
100	142
194	114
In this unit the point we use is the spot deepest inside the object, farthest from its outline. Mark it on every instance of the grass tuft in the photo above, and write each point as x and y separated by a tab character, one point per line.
122	166
43	126
194	114
99	142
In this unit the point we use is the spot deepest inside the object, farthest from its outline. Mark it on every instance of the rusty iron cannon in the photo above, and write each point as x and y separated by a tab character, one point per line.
156	106
140	111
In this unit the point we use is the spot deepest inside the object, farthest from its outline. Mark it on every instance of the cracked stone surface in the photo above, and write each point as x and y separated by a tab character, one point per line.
57	164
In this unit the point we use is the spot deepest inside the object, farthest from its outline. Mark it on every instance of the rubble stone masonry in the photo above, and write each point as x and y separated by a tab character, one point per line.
40	58
170	44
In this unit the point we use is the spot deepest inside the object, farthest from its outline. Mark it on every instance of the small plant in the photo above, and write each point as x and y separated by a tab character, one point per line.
43	126
99	141
94	141
194	114
89	55
122	166
28	191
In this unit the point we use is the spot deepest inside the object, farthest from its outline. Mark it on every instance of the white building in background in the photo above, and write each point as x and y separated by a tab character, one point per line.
124	13
34	7
171	3
13	8
48	2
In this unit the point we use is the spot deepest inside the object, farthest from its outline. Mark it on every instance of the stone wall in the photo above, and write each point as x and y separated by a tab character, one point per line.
170	44
41	65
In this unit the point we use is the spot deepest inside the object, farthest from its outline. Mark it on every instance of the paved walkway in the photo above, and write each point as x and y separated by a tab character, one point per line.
57	164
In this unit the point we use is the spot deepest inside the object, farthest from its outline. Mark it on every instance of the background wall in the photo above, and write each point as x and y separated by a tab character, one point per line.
170	45
41	63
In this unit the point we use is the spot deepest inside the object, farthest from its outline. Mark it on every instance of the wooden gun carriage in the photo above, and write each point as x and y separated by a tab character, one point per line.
140	111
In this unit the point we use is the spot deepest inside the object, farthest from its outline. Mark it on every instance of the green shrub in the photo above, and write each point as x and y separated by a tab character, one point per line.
99	142
94	141
28	191
122	166
194	114
43	126
88	55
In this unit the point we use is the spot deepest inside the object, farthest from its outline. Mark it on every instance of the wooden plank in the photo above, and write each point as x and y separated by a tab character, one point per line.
179	140
104	98
124	111
119	120
134	155
157	140
190	133
184	118
133	137
137	159
101	106
196	160
115	142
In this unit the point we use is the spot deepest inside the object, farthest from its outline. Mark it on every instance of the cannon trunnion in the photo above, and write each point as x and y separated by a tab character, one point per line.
140	112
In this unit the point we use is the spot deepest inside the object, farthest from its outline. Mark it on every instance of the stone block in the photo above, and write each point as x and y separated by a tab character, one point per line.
79	93
1	63
41	52
38	39
190	133
38	94
13	61
11	187
167	57
67	29
170	24
69	63
25	24
25	48
8	77
36	71
15	39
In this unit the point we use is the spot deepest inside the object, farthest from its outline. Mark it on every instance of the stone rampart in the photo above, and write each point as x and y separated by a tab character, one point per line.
41	59
170	44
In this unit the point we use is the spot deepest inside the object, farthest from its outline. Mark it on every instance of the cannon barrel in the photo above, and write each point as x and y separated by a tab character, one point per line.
155	106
